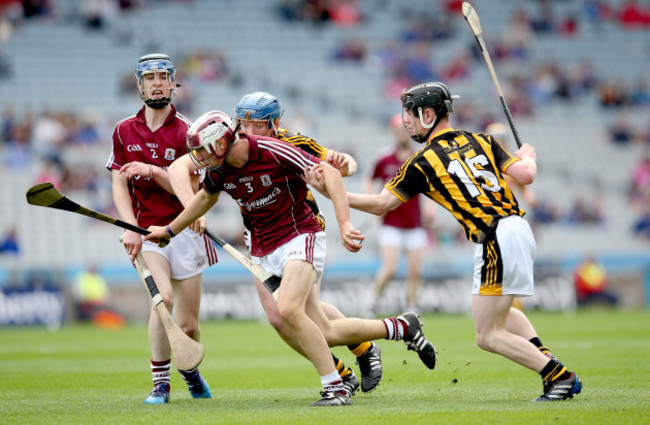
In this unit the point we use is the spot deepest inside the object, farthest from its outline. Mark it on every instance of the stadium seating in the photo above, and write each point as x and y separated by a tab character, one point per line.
59	64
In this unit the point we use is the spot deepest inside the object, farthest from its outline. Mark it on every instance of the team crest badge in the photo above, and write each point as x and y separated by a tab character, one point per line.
266	180
170	154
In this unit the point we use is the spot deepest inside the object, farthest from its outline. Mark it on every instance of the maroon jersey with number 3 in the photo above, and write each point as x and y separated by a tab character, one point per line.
134	141
270	192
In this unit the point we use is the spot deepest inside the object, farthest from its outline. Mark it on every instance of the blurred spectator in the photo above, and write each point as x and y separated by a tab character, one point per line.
458	69
9	244
50	171
640	185
418	63
19	152
543	21
49	136
597	11
568	27
91	295
352	49
8	123
88	133
641	227
621	132
612	94
545	212
290	10
590	281
586	212
634	15
37	8
640	95
345	13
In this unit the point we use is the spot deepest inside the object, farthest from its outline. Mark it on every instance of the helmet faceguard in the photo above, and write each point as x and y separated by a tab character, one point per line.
259	106
433	95
203	137
151	64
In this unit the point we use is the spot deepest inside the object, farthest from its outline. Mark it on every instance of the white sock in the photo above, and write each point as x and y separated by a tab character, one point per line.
332	383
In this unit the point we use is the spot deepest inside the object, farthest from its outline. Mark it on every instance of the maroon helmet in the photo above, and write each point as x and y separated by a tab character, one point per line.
203	137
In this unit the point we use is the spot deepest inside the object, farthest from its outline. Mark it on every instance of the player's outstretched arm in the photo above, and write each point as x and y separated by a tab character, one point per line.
335	188
374	204
198	206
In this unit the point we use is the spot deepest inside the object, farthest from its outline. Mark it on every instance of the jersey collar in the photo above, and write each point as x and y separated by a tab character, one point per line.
439	133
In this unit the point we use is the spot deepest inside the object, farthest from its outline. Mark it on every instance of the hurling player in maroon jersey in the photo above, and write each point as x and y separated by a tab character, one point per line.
264	176
144	145
402	229
259	114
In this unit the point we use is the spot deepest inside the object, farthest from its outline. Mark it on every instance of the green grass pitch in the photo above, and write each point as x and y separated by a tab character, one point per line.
84	375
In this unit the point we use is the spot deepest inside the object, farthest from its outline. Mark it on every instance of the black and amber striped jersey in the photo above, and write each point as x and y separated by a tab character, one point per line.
311	146
463	172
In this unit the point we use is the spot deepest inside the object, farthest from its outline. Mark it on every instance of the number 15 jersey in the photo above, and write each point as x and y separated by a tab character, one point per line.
462	171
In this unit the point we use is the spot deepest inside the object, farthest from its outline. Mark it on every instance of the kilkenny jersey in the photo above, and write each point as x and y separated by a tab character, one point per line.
461	171
311	146
269	191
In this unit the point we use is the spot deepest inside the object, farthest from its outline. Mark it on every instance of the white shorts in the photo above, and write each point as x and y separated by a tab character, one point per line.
503	263
310	247
406	239
188	253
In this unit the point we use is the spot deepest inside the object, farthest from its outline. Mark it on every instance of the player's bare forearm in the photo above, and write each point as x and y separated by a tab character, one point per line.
131	240
121	197
197	207
144	170
335	187
374	204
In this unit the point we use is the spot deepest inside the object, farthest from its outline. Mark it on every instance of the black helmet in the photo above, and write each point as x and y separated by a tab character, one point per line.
434	95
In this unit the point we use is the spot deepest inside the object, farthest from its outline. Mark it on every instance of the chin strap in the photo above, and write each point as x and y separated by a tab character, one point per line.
431	126
158	103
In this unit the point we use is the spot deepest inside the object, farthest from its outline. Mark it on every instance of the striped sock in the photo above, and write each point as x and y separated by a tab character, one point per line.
360	349
160	372
342	370
333	383
553	371
541	347
395	328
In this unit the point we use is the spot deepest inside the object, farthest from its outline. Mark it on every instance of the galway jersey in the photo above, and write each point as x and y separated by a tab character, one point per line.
461	171
407	215
134	141
269	191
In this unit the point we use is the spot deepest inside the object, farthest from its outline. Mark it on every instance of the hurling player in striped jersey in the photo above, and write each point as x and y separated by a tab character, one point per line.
465	173
259	114
264	176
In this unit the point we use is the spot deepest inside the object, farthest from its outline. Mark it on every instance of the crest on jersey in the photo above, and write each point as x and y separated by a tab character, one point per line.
266	180
170	154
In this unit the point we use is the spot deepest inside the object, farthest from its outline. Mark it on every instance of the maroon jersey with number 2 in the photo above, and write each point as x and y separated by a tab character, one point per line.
134	141
270	191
